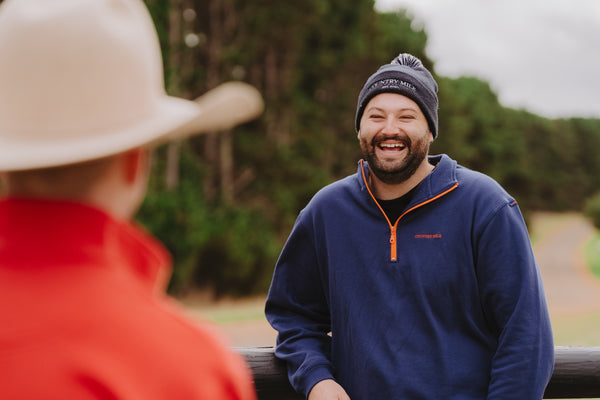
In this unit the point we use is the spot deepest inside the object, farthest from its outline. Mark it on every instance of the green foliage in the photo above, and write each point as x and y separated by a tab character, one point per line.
225	223
546	164
177	217
592	253
238	258
228	249
592	209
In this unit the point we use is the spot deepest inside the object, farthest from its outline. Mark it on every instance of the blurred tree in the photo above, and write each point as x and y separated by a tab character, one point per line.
592	209
225	202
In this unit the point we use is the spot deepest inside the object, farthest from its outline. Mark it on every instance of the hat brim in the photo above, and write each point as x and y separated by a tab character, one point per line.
222	108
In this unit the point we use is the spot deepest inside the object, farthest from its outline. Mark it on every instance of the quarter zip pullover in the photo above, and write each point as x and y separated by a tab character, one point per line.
393	227
445	303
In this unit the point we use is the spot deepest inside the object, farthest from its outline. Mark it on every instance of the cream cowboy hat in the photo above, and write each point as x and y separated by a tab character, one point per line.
83	79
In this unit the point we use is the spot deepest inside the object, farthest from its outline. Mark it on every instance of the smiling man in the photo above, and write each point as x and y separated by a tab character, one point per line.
413	278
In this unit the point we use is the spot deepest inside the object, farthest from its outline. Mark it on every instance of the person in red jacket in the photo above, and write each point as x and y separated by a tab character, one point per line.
82	289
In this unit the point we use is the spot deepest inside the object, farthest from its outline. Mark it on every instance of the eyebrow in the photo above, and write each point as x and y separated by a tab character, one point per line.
397	110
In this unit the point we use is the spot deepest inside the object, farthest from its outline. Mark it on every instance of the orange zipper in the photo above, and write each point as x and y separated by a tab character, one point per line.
394	255
394	247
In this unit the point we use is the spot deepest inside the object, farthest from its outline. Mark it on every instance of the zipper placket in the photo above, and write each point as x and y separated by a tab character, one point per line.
393	228
393	250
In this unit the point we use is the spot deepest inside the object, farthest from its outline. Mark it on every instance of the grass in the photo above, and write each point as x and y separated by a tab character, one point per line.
577	330
226	311
235	314
543	223
592	254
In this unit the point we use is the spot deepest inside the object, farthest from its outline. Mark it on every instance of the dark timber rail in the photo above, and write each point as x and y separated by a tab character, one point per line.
576	374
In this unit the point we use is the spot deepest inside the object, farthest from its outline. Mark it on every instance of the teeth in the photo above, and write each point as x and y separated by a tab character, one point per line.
392	146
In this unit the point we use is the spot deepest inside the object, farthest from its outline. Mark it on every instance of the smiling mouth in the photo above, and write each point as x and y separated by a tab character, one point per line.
392	146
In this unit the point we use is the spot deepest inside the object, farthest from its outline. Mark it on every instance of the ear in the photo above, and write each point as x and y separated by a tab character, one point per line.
134	164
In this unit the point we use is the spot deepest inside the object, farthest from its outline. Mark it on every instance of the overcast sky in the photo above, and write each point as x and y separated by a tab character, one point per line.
541	55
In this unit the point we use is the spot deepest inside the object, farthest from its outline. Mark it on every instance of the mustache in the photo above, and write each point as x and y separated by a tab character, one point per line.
383	137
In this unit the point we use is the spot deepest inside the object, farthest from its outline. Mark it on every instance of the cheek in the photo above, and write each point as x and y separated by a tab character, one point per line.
363	141
364	135
360	136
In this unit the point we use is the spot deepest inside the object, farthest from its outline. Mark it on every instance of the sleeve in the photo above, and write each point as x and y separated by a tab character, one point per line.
515	306
297	308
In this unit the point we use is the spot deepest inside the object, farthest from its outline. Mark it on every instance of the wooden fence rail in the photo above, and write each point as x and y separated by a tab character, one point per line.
576	374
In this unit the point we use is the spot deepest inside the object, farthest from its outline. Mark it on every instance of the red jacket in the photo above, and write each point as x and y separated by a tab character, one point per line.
83	314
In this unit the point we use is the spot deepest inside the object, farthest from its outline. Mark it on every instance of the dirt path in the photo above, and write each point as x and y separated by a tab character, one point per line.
570	288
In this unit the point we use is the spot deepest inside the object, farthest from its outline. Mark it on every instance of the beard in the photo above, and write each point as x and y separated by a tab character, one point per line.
395	172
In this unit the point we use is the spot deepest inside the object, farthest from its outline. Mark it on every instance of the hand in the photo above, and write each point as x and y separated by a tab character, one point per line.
328	389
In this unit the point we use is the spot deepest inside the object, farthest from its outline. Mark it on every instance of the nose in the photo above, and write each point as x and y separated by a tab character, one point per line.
390	125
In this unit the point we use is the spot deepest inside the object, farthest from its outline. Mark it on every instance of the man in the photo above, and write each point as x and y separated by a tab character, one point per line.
414	278
82	303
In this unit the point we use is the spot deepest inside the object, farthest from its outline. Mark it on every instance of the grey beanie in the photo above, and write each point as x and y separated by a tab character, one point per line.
407	76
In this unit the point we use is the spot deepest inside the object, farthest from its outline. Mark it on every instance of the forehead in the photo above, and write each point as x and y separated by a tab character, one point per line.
392	101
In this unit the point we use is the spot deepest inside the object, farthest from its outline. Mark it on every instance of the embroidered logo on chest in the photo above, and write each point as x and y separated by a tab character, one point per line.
429	236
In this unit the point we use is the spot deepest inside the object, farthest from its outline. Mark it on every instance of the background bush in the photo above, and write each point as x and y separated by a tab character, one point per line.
592	210
237	193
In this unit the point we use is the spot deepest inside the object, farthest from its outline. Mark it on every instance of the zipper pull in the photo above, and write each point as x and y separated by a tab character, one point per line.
393	256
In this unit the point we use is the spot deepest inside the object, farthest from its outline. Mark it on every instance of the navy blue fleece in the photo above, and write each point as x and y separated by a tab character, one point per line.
461	314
